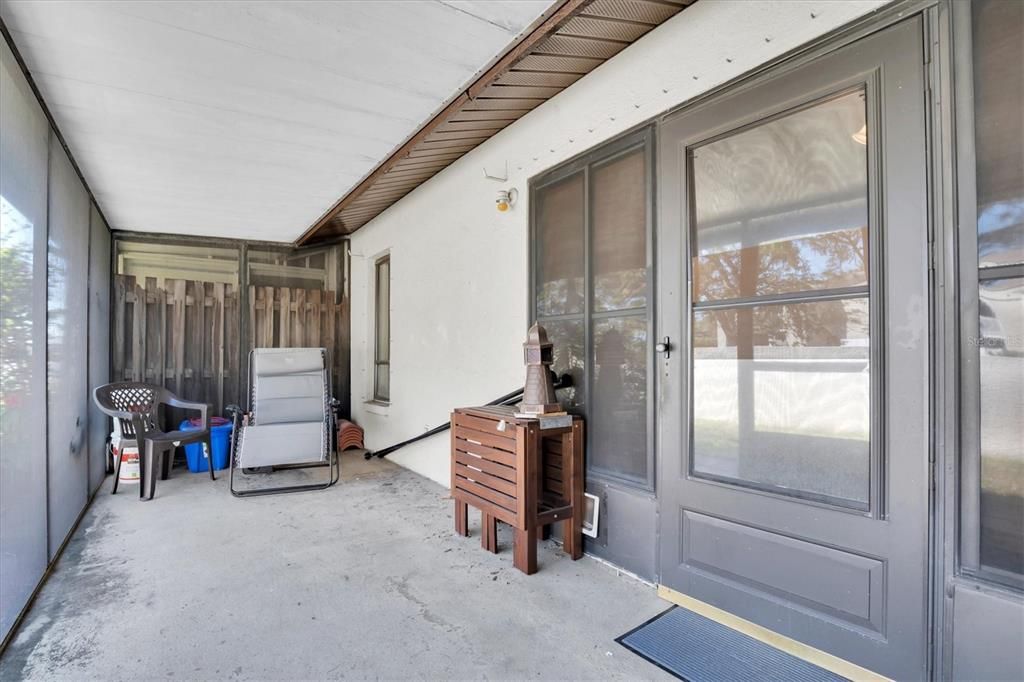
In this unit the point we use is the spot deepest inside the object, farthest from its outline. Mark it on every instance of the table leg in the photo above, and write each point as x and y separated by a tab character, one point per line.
489	532
461	519
572	463
524	550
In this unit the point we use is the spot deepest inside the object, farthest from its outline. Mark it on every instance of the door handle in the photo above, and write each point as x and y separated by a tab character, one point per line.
665	346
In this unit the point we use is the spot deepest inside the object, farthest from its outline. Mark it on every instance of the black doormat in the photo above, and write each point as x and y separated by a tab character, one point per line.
697	649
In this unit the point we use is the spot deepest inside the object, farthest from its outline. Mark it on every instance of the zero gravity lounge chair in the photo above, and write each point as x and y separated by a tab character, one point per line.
290	422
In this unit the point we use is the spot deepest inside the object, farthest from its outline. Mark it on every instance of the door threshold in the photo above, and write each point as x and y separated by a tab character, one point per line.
802	651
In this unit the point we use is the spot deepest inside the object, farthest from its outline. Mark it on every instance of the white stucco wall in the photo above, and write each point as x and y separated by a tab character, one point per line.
459	269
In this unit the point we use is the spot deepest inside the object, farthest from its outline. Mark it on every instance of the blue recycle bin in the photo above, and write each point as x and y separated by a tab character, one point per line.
220	440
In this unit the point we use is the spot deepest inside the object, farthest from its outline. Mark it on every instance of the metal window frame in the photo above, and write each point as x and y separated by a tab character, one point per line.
378	364
967	488
638	138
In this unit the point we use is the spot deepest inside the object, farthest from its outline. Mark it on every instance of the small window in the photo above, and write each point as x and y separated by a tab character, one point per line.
382	331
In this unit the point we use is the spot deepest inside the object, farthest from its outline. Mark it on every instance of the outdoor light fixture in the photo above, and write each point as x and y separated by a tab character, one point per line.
506	199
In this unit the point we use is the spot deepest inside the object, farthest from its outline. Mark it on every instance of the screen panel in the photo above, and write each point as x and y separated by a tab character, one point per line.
24	141
592	273
99	341
780	319
560	224
67	339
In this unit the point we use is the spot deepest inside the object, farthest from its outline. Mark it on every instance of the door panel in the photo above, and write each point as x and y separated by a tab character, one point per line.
848	586
987	634
793	418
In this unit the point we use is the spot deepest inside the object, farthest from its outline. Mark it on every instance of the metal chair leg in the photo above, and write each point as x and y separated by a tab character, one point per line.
333	463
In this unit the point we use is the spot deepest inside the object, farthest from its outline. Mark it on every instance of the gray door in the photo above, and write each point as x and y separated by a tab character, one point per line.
793	420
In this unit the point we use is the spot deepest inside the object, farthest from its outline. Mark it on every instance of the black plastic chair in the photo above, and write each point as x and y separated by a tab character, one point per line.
136	406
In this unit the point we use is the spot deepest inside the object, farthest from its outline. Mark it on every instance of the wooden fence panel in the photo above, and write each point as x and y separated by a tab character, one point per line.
300	318
313	316
216	350
231	362
181	334
185	335
192	352
177	333
138	332
284	317
155	313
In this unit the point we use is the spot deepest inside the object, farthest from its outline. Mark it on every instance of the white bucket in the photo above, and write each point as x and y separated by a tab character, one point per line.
129	465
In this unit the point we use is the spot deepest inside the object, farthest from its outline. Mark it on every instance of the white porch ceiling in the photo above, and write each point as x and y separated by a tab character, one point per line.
247	119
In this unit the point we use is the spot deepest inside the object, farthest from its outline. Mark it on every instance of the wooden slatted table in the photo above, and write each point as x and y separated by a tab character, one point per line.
514	471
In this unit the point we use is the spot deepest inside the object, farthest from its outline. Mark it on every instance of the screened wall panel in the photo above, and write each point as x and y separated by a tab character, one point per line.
67	341
1001	374
570	358
780	321
983	581
618	394
24	139
999	129
619	210
99	341
591	251
560	247
591	286
993	504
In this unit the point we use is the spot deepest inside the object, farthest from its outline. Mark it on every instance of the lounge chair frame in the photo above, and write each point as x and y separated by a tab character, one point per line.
239	416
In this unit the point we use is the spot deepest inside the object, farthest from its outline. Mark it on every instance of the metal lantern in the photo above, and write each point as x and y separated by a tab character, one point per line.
539	392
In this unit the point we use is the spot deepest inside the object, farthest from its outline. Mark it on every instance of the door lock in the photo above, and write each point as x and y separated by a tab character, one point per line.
665	347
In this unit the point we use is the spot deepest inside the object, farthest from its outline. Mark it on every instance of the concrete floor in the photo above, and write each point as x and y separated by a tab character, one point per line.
365	580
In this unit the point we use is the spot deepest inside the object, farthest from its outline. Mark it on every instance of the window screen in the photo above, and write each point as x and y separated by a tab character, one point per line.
780	317
998	344
591	283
